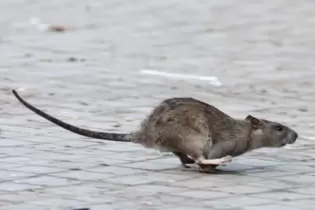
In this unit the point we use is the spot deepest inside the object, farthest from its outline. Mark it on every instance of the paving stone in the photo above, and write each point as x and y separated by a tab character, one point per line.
202	194
282	196
70	165
60	203
116	170
187	208
11	175
200	183
48	181
236	202
145	190
128	204
149	177
23	196
83	175
21	160
12	143
148	165
271	173
274	184
271	206
307	204
299	178
242	189
26	206
38	169
11	186
305	190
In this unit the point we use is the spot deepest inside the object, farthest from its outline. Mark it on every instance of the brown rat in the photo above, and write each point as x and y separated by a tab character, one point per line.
194	131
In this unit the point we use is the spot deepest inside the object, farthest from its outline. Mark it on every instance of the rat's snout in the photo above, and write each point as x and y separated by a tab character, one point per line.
292	138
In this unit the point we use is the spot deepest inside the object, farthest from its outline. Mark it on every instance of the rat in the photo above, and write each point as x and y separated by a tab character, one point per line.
194	131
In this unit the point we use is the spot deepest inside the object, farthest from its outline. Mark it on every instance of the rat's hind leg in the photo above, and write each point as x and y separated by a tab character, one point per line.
191	144
195	146
184	159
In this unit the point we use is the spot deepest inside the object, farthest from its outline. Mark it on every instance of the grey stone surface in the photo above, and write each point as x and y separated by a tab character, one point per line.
89	75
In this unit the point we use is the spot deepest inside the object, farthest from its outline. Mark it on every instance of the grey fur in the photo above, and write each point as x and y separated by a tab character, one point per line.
195	132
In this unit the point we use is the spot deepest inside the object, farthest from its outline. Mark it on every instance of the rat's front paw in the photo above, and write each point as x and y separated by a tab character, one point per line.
226	159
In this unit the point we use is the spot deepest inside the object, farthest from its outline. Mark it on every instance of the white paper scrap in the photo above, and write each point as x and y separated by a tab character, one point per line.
211	79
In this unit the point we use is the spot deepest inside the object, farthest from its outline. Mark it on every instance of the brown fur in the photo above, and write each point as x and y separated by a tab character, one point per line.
194	131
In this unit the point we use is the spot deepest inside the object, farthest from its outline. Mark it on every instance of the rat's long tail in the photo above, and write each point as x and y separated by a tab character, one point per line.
92	134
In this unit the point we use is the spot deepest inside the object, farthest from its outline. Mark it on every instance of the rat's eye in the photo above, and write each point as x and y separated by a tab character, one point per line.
279	128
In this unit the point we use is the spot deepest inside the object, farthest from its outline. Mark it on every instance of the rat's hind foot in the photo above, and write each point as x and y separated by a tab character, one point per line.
218	161
207	168
184	159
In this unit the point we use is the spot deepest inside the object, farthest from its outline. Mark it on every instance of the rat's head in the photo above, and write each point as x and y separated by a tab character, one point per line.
271	134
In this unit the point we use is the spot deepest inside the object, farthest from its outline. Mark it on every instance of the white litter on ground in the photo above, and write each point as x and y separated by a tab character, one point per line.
21	89
210	79
38	24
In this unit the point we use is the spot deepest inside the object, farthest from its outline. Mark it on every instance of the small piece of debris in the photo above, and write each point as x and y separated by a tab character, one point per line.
303	109
75	169
46	27
148	203
72	59
67	161
57	28
83	103
263	91
117	125
81	209
104	164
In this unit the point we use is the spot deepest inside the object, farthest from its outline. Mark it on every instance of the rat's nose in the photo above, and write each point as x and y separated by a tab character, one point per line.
294	138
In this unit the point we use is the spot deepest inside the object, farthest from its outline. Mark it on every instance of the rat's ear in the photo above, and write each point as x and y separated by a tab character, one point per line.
256	123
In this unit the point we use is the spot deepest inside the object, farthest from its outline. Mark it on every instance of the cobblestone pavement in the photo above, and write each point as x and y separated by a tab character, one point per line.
262	52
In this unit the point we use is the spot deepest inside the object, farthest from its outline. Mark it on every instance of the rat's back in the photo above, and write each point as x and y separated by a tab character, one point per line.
176	117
